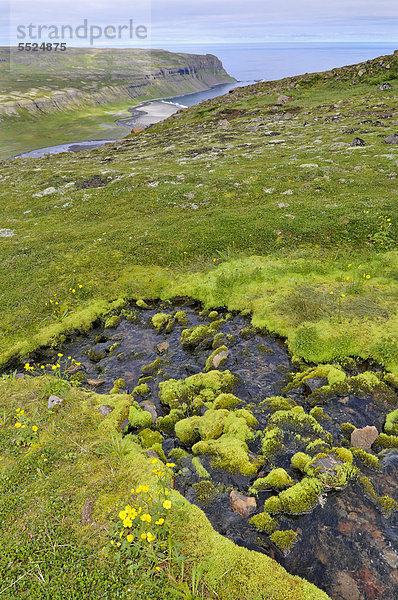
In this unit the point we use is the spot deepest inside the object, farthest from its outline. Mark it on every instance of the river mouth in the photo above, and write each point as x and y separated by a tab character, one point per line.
345	542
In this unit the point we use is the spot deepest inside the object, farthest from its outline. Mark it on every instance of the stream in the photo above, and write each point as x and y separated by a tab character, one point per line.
345	544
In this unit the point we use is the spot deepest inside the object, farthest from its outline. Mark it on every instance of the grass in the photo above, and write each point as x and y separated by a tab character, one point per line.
225	215
61	494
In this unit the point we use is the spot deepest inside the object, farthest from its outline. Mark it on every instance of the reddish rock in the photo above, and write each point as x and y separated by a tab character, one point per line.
243	505
364	438
346	587
137	129
95	383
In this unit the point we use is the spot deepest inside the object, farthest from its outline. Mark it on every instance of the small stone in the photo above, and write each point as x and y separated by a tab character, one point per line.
385	86
162	347
243	505
151	408
54	401
105	410
358	142
95	382
137	129
364	438
219	358
314	383
74	369
391	557
346	587
87	512
391	139
223	124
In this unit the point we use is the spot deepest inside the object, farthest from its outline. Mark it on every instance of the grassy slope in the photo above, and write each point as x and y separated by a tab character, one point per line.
227	215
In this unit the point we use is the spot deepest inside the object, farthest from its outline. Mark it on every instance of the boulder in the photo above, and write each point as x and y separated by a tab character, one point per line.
54	401
282	99
391	139
243	505
364	438
358	142
137	129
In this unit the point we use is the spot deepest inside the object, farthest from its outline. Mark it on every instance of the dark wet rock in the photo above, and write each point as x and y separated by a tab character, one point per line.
243	505
391	139
162	347
54	401
364	438
349	131
358	142
315	383
124	426
385	86
105	410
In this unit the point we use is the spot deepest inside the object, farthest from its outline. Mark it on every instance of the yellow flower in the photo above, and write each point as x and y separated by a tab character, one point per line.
121	534
350	265
42	367
343	295
154	461
160	522
35	428
54	367
167	504
331	293
27	367
129	538
150	537
166	492
118	544
145	488
69	358
347	278
127	522
122	514
23	426
367	276
21	412
170	465
60	355
17	425
146	518
73	291
80	286
143	536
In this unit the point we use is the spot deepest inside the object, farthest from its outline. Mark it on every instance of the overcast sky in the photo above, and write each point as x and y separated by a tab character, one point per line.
210	21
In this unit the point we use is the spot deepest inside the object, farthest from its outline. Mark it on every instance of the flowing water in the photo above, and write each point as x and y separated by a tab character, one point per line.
345	545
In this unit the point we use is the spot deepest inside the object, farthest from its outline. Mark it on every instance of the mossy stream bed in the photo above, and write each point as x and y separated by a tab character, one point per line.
234	411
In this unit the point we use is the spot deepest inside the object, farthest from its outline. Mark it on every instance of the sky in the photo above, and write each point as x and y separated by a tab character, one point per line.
202	21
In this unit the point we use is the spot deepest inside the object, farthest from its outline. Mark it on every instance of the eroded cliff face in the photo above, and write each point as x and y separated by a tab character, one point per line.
125	75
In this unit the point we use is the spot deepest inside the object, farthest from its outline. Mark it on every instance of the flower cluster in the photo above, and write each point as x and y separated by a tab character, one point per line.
26	432
144	519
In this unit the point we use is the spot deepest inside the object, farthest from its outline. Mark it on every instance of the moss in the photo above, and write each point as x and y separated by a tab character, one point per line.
78	377
187	430
318	413
211	425
199	468
209	362
264	349
391	424
347	429
148	438
154	368
284	540
391	380
365	382
121	405
157	447
95	356
118	385
112	321
276	403
142	304
272	442
138	418
213	315
302	497
272	505
180	317
207	386
264	522
330	372
239	424
248	332
295	419
228	454
190	338
228	401
386	441
343	454
300	461
113	348
130	315
166	424
369	460
277	479
163	322
316	446
386	504
219	340
205	491
177	454
142	389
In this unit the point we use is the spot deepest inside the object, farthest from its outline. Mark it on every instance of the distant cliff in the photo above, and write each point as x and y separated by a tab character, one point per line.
44	83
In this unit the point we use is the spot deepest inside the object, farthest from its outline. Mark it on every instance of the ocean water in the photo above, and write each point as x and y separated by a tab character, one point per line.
251	62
